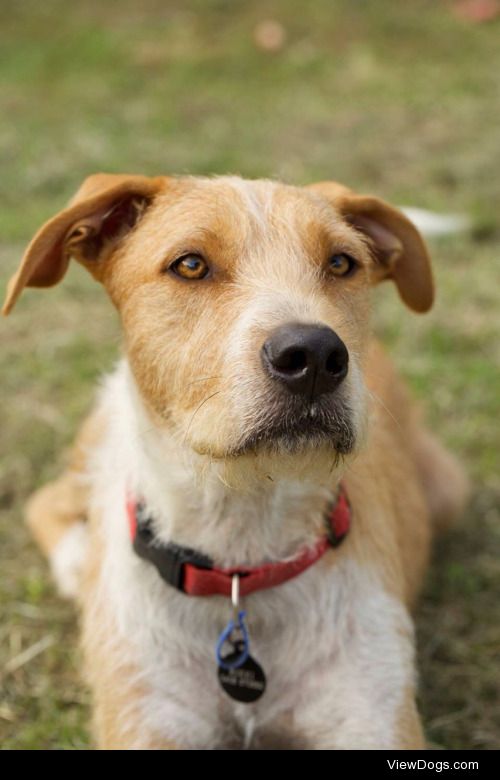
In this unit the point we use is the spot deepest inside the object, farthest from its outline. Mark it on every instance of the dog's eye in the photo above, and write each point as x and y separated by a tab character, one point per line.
342	265
190	267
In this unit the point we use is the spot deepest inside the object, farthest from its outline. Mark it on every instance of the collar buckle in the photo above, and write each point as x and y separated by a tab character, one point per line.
169	560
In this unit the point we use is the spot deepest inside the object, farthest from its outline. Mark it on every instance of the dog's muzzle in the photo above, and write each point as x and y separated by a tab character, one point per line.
304	404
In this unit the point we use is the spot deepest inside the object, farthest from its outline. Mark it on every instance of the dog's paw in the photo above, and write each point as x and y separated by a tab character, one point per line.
67	559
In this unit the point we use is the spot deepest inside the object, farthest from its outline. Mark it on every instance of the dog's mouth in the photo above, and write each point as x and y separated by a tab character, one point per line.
298	426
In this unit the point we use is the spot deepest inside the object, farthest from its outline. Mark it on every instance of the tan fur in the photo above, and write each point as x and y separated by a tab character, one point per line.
55	507
116	715
176	342
378	477
411	735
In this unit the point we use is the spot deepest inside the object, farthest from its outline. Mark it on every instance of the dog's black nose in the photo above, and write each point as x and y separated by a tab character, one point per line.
308	359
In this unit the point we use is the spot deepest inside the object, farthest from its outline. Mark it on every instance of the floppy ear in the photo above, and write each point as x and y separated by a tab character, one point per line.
103	210
399	250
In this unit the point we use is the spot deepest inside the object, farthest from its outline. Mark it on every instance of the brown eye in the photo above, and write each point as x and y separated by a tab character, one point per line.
190	267
342	265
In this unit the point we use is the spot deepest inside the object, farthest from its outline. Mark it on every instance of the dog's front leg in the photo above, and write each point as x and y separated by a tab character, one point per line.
351	718
362	694
110	735
57	512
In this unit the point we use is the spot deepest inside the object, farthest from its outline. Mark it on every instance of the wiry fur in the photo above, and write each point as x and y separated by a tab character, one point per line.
227	463
360	630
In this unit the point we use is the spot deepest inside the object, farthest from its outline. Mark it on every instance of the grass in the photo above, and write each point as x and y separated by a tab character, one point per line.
398	99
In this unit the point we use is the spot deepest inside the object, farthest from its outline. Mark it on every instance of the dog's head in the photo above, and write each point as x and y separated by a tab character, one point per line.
244	303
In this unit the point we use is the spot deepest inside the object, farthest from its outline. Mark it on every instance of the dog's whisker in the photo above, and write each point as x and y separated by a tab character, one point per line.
203	379
224	482
376	398
145	431
336	460
205	400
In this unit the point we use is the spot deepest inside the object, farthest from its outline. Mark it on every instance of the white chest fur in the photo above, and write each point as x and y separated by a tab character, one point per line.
336	649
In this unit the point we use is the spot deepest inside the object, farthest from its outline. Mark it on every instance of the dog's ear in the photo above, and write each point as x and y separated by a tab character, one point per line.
399	251
105	208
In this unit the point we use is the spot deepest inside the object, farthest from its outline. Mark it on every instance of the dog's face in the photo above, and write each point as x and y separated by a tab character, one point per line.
245	316
244	304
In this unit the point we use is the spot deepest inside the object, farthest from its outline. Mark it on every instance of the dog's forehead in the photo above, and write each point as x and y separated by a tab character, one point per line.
232	205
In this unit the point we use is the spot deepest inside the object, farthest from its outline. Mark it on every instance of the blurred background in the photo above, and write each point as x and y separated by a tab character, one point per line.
397	99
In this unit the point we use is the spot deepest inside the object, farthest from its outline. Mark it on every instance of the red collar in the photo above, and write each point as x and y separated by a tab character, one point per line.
194	574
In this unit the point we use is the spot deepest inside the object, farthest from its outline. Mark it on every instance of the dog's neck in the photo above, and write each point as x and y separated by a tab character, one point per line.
239	512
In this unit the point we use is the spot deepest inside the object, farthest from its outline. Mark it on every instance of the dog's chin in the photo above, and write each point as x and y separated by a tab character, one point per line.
283	431
299	432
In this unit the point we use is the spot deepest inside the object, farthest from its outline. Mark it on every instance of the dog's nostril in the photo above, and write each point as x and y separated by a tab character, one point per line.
291	361
336	362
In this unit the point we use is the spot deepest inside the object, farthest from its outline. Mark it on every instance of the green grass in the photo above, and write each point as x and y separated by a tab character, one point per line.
400	99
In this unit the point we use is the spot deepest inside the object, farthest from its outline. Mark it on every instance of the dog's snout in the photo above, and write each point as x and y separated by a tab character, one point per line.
309	360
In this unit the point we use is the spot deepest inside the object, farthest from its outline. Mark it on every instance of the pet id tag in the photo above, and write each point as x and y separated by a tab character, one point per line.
246	682
241	677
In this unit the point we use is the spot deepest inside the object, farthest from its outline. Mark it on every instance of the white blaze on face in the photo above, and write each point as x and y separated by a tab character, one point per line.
277	284
257	198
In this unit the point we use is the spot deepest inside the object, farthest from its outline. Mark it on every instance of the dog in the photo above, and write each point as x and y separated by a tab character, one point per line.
246	518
